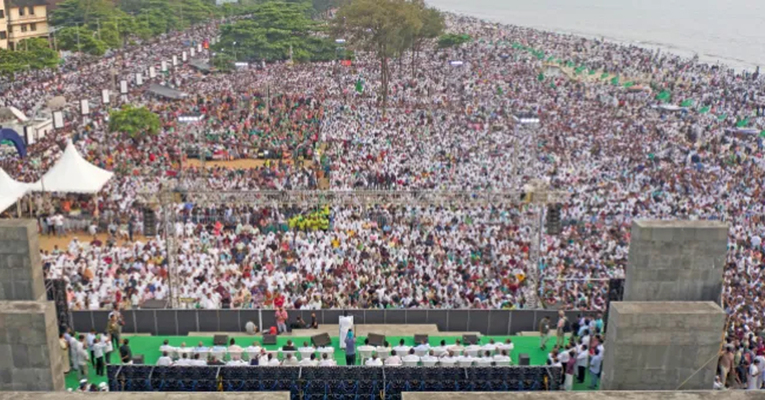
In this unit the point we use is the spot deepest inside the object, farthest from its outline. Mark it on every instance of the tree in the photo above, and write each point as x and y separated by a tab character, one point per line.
276	30
432	26
384	27
223	62
134	121
32	54
80	39
452	40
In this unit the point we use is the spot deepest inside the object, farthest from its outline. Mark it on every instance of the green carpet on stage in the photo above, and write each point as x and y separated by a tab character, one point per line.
148	346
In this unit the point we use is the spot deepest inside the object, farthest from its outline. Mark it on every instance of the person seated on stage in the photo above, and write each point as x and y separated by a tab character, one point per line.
197	361
299	323
402	348
201	348
289	346
289	360
423	347
502	358
261	358
374	361
234	350
429	358
183	361
254	348
366	347
490	347
236	363
251	328
214	361
271	361
384	349
165	360
326	361
448	358
411	358
441	349
166	347
457	348
306	348
311	362
394	359
507	346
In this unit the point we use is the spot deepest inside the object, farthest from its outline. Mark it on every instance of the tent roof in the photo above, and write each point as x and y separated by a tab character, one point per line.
72	174
165	91
12	190
200	64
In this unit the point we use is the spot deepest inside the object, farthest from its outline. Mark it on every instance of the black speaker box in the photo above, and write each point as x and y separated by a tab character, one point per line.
269	339
322	340
220	340
523	359
420	338
376	340
469	339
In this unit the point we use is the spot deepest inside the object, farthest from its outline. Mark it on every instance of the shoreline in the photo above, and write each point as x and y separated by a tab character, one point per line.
738	65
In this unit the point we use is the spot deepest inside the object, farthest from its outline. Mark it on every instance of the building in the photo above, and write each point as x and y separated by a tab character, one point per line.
22	19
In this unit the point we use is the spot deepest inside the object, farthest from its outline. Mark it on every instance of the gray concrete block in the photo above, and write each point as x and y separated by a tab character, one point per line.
658	345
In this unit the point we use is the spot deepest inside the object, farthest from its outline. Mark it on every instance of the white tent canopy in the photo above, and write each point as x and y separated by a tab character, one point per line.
72	174
12	191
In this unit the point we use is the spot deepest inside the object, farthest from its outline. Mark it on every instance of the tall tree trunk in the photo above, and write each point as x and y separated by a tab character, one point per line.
384	88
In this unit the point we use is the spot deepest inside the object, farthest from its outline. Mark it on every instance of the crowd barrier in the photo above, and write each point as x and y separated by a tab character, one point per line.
332	383
180	322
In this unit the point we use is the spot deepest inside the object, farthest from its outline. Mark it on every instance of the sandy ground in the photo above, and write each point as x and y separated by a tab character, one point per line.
48	243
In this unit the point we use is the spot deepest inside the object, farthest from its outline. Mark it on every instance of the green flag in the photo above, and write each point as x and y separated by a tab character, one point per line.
687	103
541	77
604	75
629	84
722	117
580	69
615	80
665	95
499	90
593	72
359	86
704	110
743	123
762	134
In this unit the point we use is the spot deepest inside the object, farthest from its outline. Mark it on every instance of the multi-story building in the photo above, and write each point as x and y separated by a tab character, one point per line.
23	19
3	26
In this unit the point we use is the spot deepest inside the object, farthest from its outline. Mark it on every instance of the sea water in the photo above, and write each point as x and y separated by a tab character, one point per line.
727	31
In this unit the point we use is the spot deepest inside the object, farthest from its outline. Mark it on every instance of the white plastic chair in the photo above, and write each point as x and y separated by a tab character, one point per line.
365	354
383	353
218	354
420	352
306	353
472	351
430	362
484	362
465	362
284	354
410	363
448	362
235	355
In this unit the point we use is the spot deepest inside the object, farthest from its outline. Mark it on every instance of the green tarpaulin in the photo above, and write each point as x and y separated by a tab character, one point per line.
686	103
665	95
704	110
722	117
743	123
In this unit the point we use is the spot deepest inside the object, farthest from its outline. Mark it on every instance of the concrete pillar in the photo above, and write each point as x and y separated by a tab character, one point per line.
676	261
21	274
29	346
662	345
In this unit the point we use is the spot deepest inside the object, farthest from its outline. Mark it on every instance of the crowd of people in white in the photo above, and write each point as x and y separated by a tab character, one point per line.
448	127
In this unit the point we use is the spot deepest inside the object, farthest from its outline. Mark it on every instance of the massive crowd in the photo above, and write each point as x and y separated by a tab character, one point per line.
448	127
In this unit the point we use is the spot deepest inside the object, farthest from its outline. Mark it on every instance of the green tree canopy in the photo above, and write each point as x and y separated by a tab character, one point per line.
384	27
275	29
134	121
452	40
32	54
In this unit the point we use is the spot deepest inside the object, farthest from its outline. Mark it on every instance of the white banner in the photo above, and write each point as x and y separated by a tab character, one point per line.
84	107
184	56
105	96
175	61
152	73
192	52
138	79
123	87
164	66
199	48
58	120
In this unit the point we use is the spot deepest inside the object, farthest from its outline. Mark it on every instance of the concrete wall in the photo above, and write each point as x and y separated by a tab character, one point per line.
145	396
29	348
676	261
21	274
658	345
30	353
707	395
